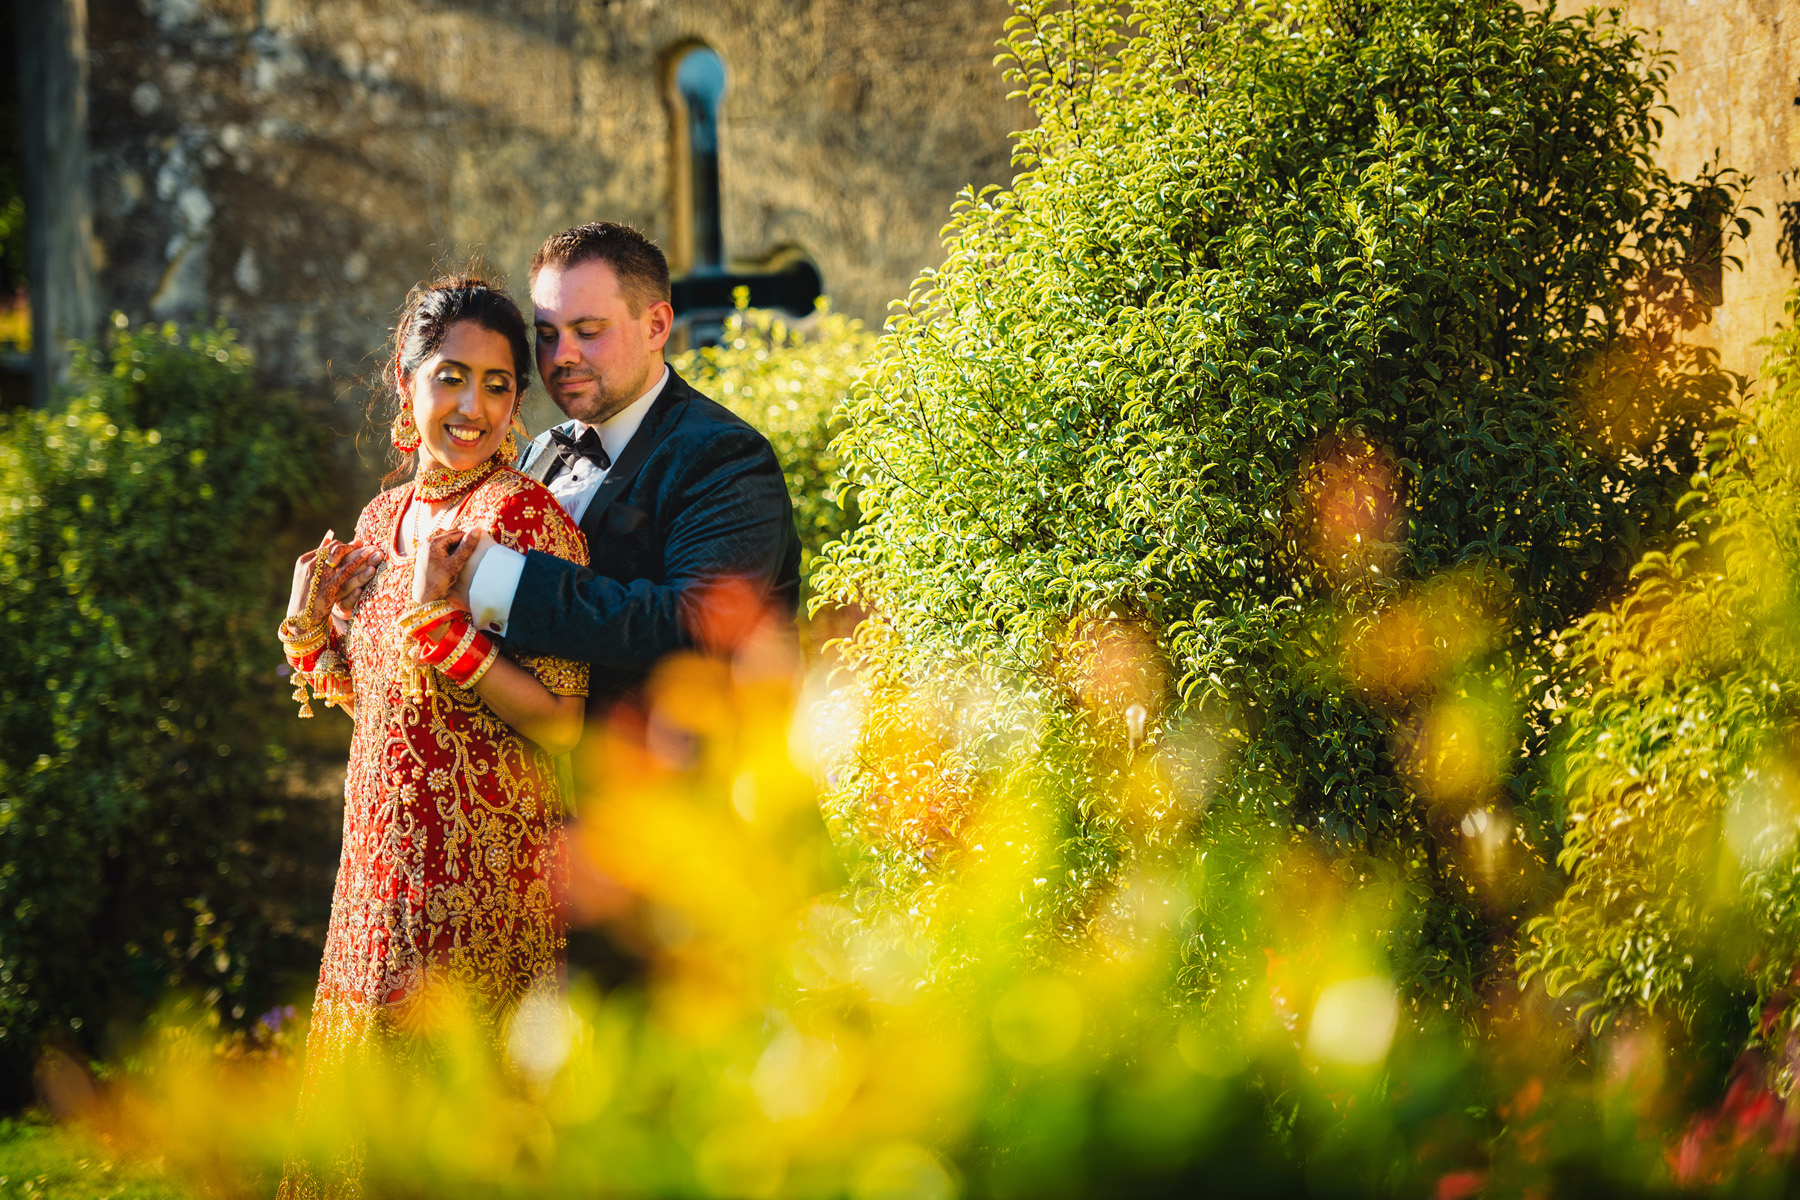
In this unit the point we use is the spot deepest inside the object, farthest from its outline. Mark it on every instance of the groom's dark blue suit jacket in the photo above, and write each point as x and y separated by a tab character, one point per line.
696	497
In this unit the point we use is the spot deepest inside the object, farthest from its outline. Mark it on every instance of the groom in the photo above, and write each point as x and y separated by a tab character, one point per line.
677	496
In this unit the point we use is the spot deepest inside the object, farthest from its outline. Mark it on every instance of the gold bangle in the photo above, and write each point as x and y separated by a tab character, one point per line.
295	625
422	615
300	637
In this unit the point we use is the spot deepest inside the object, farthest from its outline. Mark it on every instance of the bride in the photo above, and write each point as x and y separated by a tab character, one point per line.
452	858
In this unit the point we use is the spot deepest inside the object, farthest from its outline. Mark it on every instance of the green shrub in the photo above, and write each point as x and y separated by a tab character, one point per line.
1320	364
145	839
1679	779
788	382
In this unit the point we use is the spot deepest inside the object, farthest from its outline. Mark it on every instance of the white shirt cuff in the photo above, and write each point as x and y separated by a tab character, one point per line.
496	580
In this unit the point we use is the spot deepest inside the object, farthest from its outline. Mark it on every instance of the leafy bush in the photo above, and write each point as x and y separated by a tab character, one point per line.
1317	368
1680	776
788	381
145	840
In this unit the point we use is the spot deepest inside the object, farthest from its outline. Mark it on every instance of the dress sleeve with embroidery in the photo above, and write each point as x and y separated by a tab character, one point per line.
531	519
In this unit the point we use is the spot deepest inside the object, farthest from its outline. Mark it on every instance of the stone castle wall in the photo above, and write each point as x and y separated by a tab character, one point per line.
295	165
1735	94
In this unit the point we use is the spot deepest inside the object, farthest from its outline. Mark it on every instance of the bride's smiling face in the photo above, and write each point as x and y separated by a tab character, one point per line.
464	395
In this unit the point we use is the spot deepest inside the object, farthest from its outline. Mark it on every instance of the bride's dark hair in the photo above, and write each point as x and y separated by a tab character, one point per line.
425	319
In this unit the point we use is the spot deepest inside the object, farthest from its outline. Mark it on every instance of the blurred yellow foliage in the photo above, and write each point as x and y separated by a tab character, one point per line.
783	1043
789	1038
15	324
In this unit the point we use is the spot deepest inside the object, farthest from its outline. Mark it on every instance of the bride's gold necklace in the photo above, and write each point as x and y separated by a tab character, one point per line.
438	482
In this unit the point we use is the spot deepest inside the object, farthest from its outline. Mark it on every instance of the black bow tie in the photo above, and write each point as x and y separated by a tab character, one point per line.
586	446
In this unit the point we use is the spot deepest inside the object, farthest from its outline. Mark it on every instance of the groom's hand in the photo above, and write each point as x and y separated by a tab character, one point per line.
435	571
465	579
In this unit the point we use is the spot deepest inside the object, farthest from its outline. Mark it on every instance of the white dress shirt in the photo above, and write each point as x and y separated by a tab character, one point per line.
497	568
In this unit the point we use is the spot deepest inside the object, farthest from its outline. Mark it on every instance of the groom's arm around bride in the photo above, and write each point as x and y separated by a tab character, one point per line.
675	494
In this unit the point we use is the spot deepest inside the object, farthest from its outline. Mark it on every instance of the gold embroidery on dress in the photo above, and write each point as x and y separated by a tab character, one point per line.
452	858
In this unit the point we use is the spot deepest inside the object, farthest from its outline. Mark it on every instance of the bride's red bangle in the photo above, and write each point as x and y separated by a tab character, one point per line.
467	668
423	618
448	618
456	630
463	653
455	644
307	661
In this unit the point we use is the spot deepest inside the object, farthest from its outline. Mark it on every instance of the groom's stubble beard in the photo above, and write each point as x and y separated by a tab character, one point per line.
606	400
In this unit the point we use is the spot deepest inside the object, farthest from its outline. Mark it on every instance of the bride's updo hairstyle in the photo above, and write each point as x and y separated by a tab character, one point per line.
425	320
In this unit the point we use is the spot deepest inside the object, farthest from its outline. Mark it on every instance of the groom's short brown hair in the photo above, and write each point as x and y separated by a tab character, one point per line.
642	269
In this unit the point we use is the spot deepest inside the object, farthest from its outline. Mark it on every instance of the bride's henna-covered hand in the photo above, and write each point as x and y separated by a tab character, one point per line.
351	590
436	567
335	563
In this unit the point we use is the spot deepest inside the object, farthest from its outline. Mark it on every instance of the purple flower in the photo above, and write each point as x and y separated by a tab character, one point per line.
276	1017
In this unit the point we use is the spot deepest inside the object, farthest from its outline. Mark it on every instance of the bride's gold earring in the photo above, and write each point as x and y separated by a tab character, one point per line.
404	433
509	447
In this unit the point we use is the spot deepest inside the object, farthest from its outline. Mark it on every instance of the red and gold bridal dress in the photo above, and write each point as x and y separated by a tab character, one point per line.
452	861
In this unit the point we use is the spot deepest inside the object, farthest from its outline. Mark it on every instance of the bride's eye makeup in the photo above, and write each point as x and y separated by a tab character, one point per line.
450	378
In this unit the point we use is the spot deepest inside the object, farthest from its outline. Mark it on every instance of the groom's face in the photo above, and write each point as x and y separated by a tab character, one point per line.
595	354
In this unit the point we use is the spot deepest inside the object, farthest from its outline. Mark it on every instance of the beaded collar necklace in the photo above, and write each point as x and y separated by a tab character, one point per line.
437	482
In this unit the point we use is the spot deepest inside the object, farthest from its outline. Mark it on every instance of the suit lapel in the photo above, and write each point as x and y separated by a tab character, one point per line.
661	418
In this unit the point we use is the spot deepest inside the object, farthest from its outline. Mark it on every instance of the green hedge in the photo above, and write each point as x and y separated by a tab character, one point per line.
789	380
1310	338
1679	778
147	839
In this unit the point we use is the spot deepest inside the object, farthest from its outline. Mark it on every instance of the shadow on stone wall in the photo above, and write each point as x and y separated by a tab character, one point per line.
1787	217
